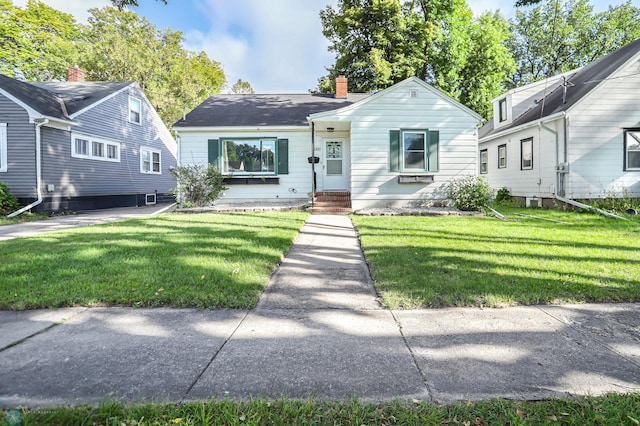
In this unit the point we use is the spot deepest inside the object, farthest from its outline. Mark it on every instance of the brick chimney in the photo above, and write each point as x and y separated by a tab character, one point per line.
75	75
341	87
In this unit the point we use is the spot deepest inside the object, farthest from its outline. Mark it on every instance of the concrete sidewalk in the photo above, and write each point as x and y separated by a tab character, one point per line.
78	220
318	331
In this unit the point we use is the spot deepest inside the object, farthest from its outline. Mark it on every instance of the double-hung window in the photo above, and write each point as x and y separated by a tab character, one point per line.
93	148
413	151
246	157
484	161
135	110
3	147
150	160
526	151
502	156
632	149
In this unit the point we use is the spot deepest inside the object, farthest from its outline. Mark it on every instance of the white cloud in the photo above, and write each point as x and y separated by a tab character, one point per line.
275	46
77	8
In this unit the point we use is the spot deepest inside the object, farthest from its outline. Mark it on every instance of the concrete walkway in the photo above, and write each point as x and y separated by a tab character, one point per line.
318	331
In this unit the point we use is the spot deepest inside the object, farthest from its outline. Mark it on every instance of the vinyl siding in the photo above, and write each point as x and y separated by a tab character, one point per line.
372	184
21	147
108	120
595	129
296	184
594	145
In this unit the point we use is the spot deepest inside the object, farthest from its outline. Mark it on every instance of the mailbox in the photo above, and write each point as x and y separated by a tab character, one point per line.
314	160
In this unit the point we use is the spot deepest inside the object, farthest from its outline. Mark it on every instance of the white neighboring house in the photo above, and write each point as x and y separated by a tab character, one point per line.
397	147
576	135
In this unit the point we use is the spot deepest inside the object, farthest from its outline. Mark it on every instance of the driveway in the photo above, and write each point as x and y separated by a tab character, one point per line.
93	217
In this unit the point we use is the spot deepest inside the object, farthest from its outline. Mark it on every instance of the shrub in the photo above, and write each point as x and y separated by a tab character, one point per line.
198	184
8	201
615	201
469	193
503	195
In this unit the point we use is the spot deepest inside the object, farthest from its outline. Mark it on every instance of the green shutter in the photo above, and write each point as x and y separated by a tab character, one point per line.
434	142
283	156
395	151
214	152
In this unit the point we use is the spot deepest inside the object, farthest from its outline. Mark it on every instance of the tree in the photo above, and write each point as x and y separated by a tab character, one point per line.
125	47
37	41
381	42
562	35
121	4
242	87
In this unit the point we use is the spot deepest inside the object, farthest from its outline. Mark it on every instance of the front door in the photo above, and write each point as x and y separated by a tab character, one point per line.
336	164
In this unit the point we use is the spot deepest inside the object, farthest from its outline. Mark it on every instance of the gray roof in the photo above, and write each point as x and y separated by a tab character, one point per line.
59	99
579	85
77	96
263	110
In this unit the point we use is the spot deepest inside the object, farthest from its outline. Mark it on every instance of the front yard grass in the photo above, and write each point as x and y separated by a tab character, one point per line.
554	257
613	409
179	260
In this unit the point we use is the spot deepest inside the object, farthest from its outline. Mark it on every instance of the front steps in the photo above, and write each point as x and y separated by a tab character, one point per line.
332	202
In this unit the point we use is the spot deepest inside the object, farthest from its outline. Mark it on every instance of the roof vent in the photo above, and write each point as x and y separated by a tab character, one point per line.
413	93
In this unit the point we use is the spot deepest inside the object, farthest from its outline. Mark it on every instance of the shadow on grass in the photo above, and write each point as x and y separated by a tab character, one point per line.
179	260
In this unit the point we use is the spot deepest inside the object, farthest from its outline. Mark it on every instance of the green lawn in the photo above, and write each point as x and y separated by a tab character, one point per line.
24	217
199	260
606	410
555	257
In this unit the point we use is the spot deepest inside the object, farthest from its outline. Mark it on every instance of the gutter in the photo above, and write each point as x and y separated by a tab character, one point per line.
39	124
502	132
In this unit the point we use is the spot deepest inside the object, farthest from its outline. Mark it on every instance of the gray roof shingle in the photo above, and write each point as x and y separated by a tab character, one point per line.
263	110
59	100
580	84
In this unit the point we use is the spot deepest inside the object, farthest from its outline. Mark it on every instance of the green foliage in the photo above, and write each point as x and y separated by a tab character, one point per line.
557	37
615	201
380	43
242	87
126	47
469	193
37	41
611	409
503	195
120	4
8	201
197	184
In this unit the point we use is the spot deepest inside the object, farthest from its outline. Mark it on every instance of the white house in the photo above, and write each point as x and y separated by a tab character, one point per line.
576	135
393	148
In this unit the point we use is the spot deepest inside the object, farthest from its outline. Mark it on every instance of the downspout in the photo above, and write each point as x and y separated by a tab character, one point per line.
559	175
39	124
313	164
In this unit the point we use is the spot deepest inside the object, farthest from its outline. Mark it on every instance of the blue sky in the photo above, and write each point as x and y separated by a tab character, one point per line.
275	45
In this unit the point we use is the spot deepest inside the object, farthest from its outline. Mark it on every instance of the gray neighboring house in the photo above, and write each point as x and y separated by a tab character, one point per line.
80	145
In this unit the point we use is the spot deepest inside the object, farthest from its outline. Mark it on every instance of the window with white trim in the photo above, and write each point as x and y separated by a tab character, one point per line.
632	149
502	156
150	160
92	148
3	147
526	151
484	161
135	110
415	149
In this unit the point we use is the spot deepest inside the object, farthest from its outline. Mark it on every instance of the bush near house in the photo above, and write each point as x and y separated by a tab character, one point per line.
469	193
8	201
198	185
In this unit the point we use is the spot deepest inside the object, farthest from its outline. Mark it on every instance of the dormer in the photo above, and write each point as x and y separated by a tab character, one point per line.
502	110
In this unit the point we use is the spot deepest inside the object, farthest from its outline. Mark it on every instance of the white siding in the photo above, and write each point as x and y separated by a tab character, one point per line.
372	184
540	181
193	147
596	148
